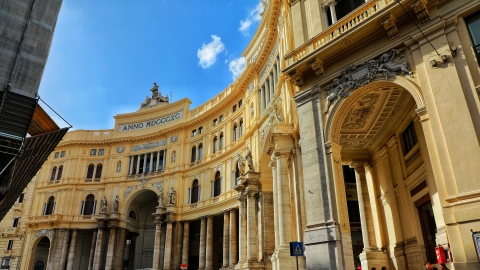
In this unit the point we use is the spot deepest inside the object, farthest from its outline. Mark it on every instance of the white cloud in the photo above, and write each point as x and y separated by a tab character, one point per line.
237	66
208	53
253	16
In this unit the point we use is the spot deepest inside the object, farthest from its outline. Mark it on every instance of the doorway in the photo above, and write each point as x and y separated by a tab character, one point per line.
427	223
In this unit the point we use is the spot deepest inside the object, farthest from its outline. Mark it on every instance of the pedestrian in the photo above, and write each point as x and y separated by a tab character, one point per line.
443	267
429	266
384	268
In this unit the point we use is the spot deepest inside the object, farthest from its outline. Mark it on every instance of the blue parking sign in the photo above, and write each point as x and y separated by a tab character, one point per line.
296	249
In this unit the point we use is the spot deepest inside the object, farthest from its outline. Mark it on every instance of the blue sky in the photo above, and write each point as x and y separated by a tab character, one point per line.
105	55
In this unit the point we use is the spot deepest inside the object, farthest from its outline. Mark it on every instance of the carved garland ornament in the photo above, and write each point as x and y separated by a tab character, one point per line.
128	190
354	77
44	232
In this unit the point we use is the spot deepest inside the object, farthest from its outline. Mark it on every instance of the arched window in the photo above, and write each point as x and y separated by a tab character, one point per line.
54	173
215	146
132	215
216	185
200	151
90	170
194	154
194	192
221	142
59	174
49	207
89	205
98	172
241	128
39	265
235	132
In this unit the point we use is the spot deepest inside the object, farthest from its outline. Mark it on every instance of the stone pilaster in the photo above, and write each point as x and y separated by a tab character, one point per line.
158	241
203	236
119	248
97	258
64	254
71	252
252	234
209	245
232	256
226	238
112	247
92	250
167	259
242	245
186	241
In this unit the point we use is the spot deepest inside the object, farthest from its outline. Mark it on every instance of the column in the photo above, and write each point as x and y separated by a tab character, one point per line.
97	258
270	76
71	252
284	207
260	100
130	168
131	251
232	256
226	242
252	227
325	16
209	245
92	250
264	101
63	258
111	248
267	91
332	11
363	202
203	232
138	164
151	162
275	202
157	168
156	249
168	246
242	215
164	159
186	241
119	248
144	167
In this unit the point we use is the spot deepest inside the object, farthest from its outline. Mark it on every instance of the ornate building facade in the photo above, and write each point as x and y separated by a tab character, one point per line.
354	129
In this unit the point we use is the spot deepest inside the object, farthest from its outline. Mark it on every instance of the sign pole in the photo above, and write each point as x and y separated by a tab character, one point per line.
296	257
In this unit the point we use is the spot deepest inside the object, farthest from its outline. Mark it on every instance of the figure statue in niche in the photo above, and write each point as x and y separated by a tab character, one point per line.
104	205
173	157
160	198
119	166
172	194
249	159
116	203
241	164
388	67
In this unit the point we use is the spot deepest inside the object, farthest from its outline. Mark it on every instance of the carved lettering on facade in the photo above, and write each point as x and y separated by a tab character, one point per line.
150	123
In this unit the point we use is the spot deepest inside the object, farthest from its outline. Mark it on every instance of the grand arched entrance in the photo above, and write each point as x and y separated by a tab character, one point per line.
41	253
384	181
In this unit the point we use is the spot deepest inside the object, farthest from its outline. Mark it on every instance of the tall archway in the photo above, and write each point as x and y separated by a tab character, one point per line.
41	253
377	132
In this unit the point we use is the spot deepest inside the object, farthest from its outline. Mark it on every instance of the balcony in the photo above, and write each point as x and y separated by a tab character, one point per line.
46	219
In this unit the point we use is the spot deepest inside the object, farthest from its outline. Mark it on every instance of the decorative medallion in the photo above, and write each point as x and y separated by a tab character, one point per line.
44	232
144	181
120	149
174	139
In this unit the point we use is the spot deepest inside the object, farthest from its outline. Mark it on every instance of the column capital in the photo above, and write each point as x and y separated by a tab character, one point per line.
359	166
332	147
251	193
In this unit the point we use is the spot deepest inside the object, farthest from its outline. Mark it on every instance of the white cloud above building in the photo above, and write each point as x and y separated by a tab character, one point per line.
236	67
207	54
253	16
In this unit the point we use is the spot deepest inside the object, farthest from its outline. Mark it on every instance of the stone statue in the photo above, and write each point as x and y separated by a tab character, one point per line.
119	166
334	93
172	194
173	157
241	164
116	203
388	67
248	158
157	95
160	198
104	205
146	102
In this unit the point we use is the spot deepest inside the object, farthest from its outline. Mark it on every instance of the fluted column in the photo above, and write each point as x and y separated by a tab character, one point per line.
97	258
252	227
168	246
186	241
71	252
92	250
203	234
284	206
226	242
63	255
111	248
156	248
232	256
209	245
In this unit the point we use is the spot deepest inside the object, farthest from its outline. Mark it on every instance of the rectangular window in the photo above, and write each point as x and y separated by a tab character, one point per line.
240	104
200	130
56	154
348	174
409	138
473	25
93	152
194	132
234	108
215	122
101	152
221	118
6	263
10	245
16	221
62	154
21	197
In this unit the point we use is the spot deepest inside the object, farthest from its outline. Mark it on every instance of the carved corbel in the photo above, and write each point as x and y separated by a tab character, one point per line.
389	24
296	77
420	9
317	66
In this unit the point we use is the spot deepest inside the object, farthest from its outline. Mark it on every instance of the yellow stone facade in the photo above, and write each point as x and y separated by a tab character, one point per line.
350	135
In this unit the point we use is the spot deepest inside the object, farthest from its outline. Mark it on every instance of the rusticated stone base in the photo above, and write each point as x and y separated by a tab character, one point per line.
415	254
373	259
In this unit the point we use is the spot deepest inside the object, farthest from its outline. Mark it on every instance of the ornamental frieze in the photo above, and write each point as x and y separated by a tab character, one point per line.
356	76
150	145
